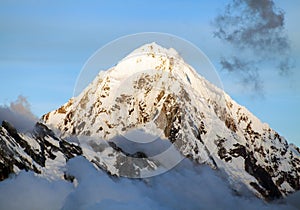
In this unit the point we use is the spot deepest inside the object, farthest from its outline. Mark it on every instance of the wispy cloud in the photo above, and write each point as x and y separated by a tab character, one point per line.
255	30
246	71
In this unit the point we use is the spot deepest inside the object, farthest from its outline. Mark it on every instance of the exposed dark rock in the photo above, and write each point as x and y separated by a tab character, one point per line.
119	149
139	155
294	182
70	150
271	191
37	157
128	164
224	116
12	144
222	152
239	150
265	186
69	177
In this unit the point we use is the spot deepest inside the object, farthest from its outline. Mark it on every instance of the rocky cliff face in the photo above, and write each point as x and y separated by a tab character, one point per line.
40	151
154	91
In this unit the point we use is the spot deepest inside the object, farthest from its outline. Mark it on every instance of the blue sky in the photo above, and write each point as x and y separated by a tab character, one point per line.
44	45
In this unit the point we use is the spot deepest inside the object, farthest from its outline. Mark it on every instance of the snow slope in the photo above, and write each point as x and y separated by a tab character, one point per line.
154	91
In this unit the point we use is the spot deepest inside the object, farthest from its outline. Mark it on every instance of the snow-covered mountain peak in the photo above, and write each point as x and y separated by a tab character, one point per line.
153	89
155	58
148	74
148	57
154	48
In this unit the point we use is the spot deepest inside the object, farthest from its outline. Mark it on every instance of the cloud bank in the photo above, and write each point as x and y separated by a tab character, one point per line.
187	186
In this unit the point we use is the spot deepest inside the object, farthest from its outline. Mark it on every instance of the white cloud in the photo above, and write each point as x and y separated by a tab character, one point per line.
187	186
18	114
27	191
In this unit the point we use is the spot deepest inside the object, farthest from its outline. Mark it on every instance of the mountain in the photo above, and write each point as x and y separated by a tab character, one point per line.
133	118
39	151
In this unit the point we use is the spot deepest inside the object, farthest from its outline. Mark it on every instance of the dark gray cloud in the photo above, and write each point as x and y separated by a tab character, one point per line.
254	24
245	70
18	113
255	29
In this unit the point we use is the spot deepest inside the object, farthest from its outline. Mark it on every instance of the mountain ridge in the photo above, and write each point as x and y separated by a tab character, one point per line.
154	90
157	88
